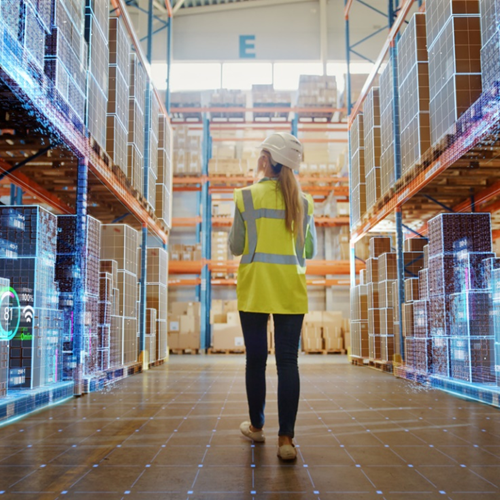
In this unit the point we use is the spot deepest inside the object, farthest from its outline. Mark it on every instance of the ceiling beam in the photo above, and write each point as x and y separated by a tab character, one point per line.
177	6
252	4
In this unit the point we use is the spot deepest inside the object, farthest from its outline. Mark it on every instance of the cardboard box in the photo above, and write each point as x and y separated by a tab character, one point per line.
312	330
233	318
313	318
185	308
217	318
330	331
332	319
230	306
188	341
173	340
312	343
217	307
227	337
189	324
334	343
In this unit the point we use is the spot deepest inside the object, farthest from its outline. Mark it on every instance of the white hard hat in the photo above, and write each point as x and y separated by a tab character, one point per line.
285	149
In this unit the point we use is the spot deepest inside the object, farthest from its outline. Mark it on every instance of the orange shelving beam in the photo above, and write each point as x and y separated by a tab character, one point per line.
475	134
232	282
314	267
479	198
185	266
224	179
32	188
235	109
228	221
185	221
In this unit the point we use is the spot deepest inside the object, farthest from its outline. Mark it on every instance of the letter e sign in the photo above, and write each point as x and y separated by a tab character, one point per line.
247	46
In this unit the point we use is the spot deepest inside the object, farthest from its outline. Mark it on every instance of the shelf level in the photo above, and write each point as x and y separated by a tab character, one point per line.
314	267
476	132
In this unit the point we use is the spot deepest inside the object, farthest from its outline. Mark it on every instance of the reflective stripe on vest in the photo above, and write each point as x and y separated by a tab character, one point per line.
250	215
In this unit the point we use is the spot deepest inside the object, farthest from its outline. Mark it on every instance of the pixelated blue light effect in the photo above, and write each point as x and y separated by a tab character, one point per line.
457	329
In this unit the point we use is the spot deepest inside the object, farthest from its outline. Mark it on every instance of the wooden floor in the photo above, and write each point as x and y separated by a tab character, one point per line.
172	433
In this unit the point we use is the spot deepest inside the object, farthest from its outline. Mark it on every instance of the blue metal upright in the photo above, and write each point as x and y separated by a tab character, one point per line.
393	55
79	278
206	240
295	124
170	29
145	190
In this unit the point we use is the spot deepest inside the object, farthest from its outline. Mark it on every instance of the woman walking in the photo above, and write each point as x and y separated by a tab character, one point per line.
274	232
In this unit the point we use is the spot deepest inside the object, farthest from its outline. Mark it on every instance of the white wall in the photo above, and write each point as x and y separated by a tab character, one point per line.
282	33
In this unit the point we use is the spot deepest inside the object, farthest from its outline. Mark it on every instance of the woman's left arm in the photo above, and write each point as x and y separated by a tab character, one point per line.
311	240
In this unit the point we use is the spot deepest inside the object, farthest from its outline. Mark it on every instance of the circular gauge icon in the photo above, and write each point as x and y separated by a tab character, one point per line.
10	313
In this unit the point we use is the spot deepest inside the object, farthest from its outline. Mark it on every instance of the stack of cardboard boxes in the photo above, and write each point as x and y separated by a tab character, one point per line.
454	46
164	181
186	100
186	252
118	105
413	80
317	92
120	242
187	155
490	39
449	315
358	183
96	36
184	326
359	318
323	331
319	169
220	250
222	207
387	154
224	98
137	106
371	126
156	301
264	96
228	167
381	276
226	327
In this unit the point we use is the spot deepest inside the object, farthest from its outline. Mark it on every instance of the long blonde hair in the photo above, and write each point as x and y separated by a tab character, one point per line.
294	201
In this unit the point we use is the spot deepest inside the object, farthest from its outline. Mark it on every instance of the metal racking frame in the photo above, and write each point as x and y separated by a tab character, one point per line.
45	115
206	185
478	134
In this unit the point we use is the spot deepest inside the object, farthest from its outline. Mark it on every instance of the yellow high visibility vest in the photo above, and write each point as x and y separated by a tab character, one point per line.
271	275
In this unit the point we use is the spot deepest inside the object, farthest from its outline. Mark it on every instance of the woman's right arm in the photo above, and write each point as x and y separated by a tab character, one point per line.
237	234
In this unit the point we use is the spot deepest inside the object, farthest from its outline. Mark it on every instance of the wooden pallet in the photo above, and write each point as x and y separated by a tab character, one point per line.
325	351
158	362
358	361
224	351
100	151
378	364
184	351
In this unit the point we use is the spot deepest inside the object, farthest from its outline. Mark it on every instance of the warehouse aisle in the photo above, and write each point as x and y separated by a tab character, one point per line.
172	433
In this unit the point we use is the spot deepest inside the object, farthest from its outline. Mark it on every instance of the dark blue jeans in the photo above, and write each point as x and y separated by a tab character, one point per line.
287	328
